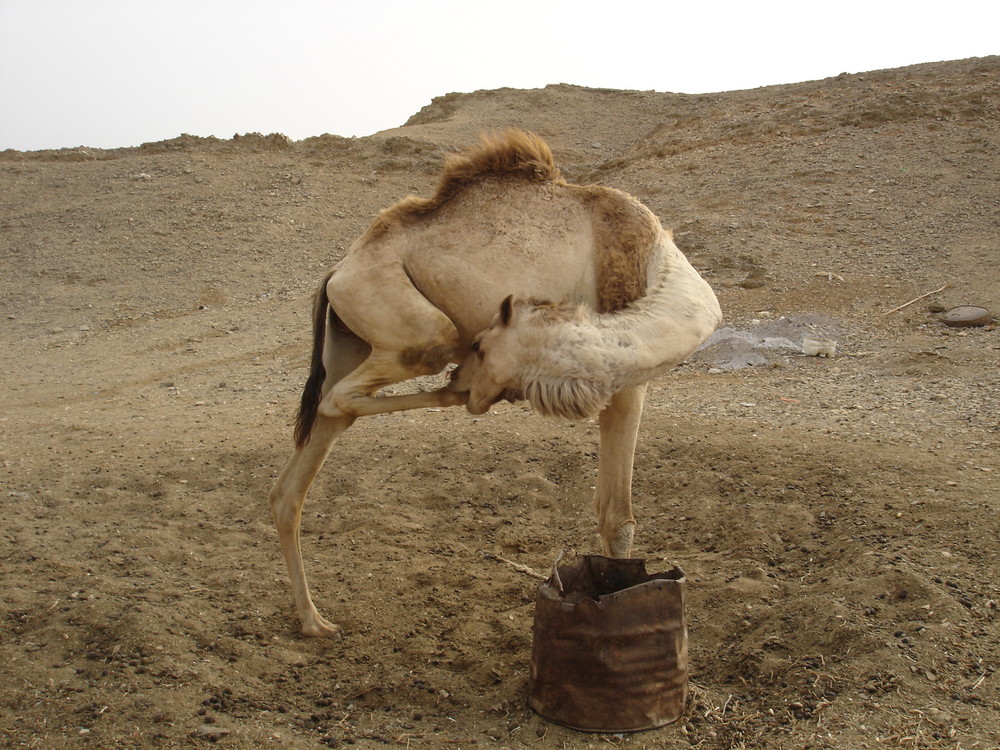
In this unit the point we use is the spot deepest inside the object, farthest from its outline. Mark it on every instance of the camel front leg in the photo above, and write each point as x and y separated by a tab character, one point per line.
287	498
619	428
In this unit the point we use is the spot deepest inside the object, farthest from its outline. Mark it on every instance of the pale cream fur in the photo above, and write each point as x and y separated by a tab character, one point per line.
569	361
421	287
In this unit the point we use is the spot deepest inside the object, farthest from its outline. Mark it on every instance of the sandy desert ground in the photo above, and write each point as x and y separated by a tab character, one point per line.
837	518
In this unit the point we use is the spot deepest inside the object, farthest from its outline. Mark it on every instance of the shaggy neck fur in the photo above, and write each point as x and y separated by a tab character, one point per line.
583	358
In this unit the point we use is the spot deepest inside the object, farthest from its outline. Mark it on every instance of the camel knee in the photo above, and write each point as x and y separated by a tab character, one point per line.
341	402
286	508
328	407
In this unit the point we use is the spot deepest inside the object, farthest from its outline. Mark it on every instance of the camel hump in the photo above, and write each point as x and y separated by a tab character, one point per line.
506	153
510	153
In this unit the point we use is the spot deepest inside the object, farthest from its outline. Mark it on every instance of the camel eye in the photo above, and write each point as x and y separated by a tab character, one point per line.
475	347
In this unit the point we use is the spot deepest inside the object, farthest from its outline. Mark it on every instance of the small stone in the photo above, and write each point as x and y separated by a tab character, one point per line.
210	732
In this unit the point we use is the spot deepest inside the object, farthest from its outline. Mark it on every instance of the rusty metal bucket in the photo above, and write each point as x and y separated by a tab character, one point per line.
609	650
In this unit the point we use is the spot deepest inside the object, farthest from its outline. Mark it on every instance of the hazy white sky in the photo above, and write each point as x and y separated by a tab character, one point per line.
107	73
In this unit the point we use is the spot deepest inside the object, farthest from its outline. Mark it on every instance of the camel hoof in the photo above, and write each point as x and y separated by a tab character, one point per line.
319	627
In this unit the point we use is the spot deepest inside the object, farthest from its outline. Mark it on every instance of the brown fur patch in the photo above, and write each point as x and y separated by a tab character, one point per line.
431	360
626	233
550	313
512	152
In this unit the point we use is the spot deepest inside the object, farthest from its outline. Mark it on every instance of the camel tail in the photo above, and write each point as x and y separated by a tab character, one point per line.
313	390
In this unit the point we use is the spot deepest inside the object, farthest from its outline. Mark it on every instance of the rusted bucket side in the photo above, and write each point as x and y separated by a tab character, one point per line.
614	663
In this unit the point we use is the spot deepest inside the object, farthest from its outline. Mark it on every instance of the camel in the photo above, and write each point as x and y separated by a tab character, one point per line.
571	297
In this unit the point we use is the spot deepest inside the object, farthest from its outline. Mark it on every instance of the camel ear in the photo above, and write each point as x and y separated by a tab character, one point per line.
507	310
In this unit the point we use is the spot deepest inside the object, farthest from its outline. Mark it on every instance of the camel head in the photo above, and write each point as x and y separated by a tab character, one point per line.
492	369
531	351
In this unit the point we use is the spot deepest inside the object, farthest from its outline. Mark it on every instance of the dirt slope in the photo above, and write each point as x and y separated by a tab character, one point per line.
837	518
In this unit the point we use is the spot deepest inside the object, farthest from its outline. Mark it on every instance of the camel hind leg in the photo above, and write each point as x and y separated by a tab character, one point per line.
342	352
367	348
619	422
288	497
